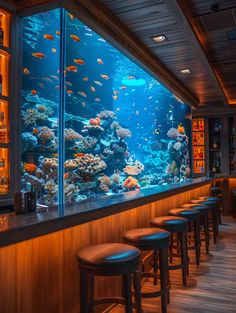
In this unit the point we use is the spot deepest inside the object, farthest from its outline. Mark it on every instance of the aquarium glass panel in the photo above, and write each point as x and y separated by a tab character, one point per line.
123	130
40	105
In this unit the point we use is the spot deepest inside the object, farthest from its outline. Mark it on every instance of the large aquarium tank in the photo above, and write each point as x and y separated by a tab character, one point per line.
94	122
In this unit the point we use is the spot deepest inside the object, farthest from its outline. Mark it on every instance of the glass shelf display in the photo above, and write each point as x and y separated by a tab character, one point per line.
4	170
215	162
198	136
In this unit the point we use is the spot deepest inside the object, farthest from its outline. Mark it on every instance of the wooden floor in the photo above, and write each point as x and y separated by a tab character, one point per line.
211	286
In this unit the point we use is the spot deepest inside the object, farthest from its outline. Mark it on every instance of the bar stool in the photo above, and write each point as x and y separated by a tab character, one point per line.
193	217
217	193
109	259
204	220
213	208
176	225
156	240
234	203
209	198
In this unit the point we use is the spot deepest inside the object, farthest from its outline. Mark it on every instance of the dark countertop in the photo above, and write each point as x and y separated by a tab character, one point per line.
17	228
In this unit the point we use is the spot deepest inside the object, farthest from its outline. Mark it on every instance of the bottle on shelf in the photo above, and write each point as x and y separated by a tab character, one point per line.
1	34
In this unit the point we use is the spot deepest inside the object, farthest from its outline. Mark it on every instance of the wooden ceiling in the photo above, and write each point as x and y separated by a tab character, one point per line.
209	54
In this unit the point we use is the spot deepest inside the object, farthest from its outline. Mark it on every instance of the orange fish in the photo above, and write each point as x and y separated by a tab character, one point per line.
33	92
72	68
83	94
78	155
115	97
75	38
58	33
70	92
123	87
54	50
38	55
66	175
35	131
48	37
79	61
97	100
26	71
100	61
85	79
92	89
30	167
104	76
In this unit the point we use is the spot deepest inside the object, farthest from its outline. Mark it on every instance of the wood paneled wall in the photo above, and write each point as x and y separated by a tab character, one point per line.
41	275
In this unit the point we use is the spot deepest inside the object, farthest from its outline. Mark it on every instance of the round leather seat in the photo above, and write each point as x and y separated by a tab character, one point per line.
147	238
203	209
108	256
216	190
207	198
210	204
189	214
173	224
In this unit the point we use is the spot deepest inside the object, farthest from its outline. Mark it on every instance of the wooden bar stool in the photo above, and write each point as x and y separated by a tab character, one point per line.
193	217
210	198
217	193
213	208
156	240
109	259
204	220
176	225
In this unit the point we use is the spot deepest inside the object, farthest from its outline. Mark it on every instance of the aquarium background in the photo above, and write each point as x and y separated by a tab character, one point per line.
123	130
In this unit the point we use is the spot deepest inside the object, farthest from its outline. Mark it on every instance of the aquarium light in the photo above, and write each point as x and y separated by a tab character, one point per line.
159	38
185	71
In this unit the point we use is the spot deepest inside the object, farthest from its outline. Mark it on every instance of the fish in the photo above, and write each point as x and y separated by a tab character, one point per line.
133	90
87	34
181	129
92	89
157	131
83	94
83	104
97	99
97	83
69	92
150	97
47	79
85	79
38	55
71	16
137	112
72	68
123	88
116	92
118	109
115	97
48	37
66	175
34	92
30	167
131	77
75	38
54	50
79	61
104	76
58	33
35	131
100	61
55	77
67	83
26	71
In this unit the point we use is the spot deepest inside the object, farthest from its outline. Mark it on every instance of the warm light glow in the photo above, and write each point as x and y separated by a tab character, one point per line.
4	70
159	38
4	170
5	24
185	71
4	122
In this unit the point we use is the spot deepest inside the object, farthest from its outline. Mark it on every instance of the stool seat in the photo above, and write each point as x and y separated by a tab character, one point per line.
172	224
147	238
108	256
207	198
216	190
210	204
203	209
189	214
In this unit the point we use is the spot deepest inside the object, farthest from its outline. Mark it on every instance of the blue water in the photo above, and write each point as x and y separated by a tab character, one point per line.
123	129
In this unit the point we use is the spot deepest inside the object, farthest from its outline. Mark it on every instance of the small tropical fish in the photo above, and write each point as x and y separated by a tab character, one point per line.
83	94
72	68
181	129
150	97
58	33
38	55
35	131
97	83
157	131
67	83
55	155
92	89
57	87
55	77
97	99
85	79
47	79
115	97
131	77
66	175
54	50
83	104
34	92
87	34
78	155
75	38
26	71
123	87
116	92
137	112
69	92
106	77
79	61
100	61
30	167
48	37
145	139
71	16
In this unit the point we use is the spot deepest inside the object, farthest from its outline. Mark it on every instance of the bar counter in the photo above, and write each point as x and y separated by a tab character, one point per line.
16	228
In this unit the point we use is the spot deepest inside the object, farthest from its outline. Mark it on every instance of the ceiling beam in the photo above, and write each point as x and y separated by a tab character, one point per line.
182	17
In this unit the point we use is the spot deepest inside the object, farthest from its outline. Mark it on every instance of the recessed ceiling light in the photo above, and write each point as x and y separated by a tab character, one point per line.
159	38
185	71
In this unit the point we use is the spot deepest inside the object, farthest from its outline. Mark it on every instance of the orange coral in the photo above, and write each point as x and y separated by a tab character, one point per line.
130	183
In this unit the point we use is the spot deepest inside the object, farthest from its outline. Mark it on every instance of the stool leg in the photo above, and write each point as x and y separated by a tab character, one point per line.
183	251
197	240
206	232
215	227
171	247
137	291
128	293
84	305
155	266
163	265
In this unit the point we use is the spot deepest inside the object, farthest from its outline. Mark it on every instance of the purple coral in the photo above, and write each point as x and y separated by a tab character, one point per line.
173	133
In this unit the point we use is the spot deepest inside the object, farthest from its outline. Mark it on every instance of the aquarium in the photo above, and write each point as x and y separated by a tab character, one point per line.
94	122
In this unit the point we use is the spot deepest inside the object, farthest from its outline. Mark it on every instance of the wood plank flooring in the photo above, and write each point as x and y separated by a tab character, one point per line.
211	286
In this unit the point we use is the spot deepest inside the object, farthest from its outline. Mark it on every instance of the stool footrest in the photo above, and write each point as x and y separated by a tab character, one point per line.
104	300
151	294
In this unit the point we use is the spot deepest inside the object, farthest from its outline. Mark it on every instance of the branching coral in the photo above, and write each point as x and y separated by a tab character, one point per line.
123	132
90	164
